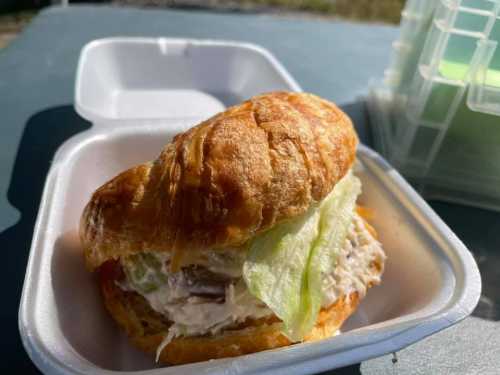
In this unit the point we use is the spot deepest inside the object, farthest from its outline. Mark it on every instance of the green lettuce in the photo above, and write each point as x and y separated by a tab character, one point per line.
144	271
284	266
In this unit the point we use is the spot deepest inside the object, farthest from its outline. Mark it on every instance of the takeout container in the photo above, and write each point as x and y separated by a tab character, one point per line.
431	280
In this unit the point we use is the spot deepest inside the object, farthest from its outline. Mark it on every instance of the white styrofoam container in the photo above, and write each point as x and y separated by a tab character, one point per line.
431	280
149	80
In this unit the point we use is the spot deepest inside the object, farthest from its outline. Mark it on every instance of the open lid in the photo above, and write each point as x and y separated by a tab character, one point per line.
120	79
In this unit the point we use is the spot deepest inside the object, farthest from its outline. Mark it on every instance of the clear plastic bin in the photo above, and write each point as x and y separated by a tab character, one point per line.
436	117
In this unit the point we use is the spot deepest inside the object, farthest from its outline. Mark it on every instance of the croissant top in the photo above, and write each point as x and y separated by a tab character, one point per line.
236	174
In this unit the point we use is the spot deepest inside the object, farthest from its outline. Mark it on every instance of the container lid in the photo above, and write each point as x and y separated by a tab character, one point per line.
132	79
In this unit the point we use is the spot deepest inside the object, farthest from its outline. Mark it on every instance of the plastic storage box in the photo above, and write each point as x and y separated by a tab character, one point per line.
437	116
430	282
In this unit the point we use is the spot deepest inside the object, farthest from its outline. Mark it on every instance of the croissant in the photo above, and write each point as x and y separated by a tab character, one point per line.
221	182
234	176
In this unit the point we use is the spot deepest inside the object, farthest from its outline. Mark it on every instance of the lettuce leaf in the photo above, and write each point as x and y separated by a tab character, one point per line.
145	271
284	266
275	270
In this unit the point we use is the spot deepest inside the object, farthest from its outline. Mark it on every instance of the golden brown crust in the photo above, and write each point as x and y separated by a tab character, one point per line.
218	184
146	331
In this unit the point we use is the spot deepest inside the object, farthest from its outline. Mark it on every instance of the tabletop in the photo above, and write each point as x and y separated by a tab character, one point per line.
332	58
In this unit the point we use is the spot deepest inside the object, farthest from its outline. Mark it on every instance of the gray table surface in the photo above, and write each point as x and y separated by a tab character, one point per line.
331	58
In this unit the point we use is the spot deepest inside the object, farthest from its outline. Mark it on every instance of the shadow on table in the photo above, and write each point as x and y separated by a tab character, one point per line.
43	134
359	116
480	231
348	370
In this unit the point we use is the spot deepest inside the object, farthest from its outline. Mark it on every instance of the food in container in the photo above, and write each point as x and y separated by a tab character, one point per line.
241	236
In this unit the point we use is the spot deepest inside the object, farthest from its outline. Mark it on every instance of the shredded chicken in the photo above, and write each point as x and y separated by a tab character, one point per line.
211	295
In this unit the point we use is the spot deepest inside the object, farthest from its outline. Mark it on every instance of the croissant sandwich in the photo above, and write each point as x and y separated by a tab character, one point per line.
243	235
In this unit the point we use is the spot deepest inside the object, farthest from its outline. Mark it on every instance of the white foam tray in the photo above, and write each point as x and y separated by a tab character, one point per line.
431	280
128	80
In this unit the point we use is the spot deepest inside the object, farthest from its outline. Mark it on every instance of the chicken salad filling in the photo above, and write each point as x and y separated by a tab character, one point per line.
291	271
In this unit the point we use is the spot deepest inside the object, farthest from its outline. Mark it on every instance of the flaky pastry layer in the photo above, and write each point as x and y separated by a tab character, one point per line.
220	183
